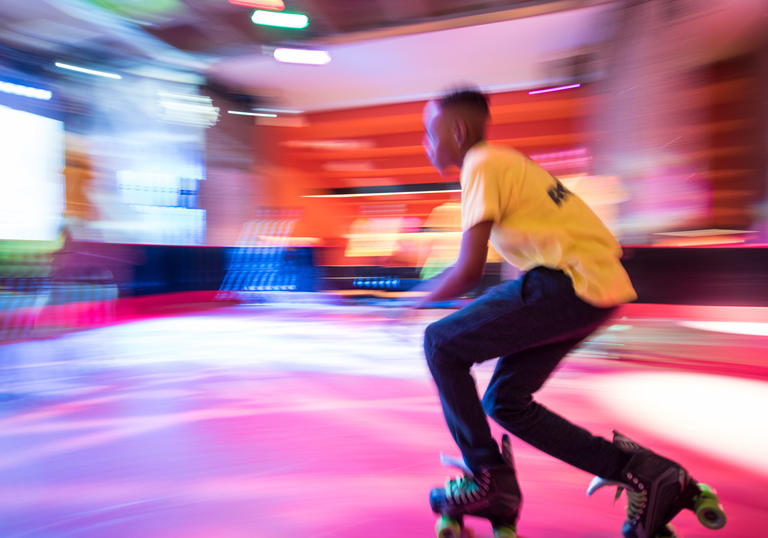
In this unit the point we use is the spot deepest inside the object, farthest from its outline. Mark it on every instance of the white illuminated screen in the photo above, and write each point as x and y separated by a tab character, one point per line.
31	180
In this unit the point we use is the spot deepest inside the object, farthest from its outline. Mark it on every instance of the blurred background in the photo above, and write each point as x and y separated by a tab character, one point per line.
158	147
161	159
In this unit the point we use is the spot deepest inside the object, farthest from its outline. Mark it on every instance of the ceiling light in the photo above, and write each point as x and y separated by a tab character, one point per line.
87	71
555	89
274	5
25	91
302	56
362	194
278	110
390	190
245	113
280	19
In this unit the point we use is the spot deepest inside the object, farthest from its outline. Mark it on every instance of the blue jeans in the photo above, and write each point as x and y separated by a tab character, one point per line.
531	324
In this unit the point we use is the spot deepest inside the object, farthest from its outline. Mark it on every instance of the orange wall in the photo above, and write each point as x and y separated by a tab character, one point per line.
386	150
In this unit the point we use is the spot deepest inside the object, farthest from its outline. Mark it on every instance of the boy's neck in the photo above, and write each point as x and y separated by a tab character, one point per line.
469	147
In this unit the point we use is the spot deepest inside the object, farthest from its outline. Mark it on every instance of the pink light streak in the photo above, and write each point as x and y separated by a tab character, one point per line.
555	89
273	5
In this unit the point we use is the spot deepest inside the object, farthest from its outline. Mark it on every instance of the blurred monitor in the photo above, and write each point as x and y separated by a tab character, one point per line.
31	180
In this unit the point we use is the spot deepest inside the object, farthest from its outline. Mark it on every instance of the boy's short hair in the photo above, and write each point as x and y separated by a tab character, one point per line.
471	98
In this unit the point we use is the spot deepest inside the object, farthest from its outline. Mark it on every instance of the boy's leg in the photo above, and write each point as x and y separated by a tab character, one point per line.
539	309
533	322
508	400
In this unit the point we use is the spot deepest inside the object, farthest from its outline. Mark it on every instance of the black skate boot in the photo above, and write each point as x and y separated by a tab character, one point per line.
493	493
658	489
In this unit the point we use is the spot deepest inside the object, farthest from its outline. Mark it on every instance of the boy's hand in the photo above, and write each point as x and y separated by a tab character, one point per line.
407	311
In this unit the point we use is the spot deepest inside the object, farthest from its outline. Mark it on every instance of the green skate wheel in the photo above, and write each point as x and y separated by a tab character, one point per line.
447	527
504	532
708	508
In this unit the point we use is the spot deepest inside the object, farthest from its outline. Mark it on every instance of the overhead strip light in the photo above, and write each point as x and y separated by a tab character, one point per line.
87	71
358	195
277	110
302	56
258	114
25	91
555	89
390	190
280	19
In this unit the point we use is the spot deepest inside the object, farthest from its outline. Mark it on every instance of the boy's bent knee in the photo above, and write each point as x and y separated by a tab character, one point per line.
508	409
438	352
432	339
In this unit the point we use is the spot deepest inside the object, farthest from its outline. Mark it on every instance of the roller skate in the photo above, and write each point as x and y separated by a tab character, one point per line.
657	490
493	494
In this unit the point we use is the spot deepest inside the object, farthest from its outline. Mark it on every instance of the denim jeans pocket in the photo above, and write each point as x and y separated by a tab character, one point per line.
540	282
525	287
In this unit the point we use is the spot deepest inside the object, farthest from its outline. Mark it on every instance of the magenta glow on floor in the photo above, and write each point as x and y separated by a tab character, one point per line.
315	420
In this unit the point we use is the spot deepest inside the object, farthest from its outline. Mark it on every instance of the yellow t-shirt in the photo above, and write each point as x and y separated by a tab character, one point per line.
538	222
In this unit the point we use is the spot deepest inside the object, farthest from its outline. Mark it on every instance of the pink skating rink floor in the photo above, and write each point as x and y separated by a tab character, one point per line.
278	421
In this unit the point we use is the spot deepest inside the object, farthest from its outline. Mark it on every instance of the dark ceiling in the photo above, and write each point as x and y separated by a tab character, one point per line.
220	28
215	29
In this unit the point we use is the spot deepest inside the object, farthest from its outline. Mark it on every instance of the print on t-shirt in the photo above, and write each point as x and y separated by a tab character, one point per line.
558	192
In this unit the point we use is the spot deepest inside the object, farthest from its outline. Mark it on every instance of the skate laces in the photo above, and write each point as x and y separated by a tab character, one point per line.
638	500
466	489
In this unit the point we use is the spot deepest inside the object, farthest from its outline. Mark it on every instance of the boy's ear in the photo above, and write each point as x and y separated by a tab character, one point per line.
459	132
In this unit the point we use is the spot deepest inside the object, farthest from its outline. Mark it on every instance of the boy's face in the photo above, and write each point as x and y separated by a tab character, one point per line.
438	141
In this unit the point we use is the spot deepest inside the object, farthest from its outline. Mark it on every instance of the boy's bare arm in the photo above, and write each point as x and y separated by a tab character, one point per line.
466	272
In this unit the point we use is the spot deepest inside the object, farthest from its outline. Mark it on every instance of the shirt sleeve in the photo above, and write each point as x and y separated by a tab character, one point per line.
479	197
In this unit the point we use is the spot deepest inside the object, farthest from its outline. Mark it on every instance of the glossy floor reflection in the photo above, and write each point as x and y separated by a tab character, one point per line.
319	420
